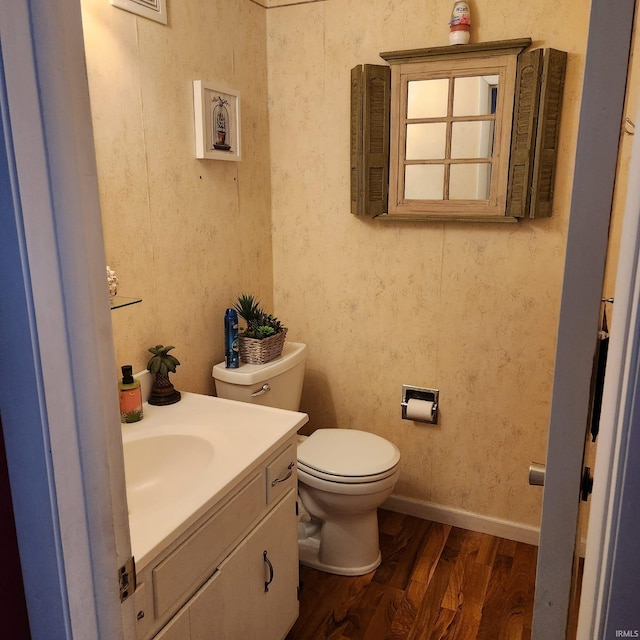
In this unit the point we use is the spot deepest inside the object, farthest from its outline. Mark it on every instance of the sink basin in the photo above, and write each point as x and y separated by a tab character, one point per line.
160	468
183	458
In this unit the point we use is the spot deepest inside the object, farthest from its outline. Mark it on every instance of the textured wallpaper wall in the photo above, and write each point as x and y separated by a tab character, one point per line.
469	309
185	235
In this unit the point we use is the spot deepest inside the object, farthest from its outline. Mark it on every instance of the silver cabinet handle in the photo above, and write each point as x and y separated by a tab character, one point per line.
289	474
265	388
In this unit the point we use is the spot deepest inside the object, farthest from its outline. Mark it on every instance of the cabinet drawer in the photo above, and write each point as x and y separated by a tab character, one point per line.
191	563
281	474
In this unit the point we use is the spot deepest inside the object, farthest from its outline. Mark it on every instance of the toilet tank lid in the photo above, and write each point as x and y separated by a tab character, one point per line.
348	452
246	374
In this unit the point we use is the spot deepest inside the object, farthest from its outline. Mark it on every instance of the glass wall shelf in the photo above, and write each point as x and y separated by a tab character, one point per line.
121	301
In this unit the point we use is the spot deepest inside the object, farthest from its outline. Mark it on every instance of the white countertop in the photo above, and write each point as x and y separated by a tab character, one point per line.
182	459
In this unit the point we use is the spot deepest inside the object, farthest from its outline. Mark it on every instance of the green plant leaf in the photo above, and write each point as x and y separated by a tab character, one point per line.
248	307
260	324
161	362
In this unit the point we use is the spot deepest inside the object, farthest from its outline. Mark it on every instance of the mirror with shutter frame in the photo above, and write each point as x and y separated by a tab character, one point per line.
452	112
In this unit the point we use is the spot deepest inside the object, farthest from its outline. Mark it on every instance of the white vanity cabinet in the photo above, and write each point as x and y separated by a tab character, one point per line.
254	592
234	574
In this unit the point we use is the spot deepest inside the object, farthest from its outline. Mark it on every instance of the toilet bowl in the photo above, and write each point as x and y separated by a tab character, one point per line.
344	475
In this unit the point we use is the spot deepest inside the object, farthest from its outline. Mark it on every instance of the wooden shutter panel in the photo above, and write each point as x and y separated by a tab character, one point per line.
555	64
523	133
357	192
370	109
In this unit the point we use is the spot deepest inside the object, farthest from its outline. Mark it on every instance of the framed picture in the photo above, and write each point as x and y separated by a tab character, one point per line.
152	9
217	121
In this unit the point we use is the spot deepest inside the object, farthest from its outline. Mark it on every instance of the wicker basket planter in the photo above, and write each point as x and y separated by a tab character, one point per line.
254	351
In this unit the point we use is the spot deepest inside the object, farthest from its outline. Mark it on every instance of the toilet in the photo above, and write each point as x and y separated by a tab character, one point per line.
344	475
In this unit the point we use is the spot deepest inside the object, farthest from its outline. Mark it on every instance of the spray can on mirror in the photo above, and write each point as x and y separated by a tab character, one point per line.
460	24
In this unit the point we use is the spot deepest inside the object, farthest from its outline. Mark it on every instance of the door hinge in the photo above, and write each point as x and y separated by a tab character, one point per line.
127	578
586	486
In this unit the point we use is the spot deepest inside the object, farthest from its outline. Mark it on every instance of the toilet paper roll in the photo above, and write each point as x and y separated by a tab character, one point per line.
420	410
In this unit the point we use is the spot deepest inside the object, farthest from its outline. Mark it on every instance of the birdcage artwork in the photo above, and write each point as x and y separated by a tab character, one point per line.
217	122
220	123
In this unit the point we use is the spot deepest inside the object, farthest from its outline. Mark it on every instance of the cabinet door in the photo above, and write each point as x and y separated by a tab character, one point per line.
177	629
234	603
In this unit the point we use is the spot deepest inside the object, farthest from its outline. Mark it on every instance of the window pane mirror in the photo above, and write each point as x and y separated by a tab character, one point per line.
449	138
451	131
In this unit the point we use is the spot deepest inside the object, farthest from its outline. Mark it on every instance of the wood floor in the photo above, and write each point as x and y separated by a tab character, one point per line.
435	582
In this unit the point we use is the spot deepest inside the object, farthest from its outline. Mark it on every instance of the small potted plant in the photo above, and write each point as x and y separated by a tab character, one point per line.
263	338
161	364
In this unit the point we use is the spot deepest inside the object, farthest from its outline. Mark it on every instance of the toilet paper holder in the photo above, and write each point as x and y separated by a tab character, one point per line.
420	393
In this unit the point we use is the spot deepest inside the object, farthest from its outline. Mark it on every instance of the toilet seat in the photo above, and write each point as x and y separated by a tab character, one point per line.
347	456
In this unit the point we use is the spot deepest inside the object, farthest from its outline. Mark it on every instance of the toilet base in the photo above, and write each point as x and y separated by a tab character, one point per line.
309	541
309	550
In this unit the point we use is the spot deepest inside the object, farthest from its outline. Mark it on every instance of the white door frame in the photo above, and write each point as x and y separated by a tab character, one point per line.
57	380
611	582
606	65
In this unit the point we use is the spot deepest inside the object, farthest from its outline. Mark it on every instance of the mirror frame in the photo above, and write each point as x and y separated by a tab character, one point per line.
490	58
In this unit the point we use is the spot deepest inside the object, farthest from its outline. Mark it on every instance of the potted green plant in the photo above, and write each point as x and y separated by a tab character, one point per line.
161	364
263	337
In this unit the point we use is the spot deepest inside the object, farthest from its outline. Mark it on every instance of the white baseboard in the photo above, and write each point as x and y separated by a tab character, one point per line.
464	519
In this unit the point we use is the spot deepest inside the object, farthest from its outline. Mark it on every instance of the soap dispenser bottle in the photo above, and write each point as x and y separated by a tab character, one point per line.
130	396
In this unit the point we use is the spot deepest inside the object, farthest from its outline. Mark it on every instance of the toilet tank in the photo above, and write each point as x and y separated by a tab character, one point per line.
275	384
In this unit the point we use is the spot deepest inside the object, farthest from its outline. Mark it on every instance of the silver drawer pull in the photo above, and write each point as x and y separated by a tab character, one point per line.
289	474
262	390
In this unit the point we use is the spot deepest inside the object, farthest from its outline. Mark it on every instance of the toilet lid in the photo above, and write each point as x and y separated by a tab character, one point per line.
348	453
